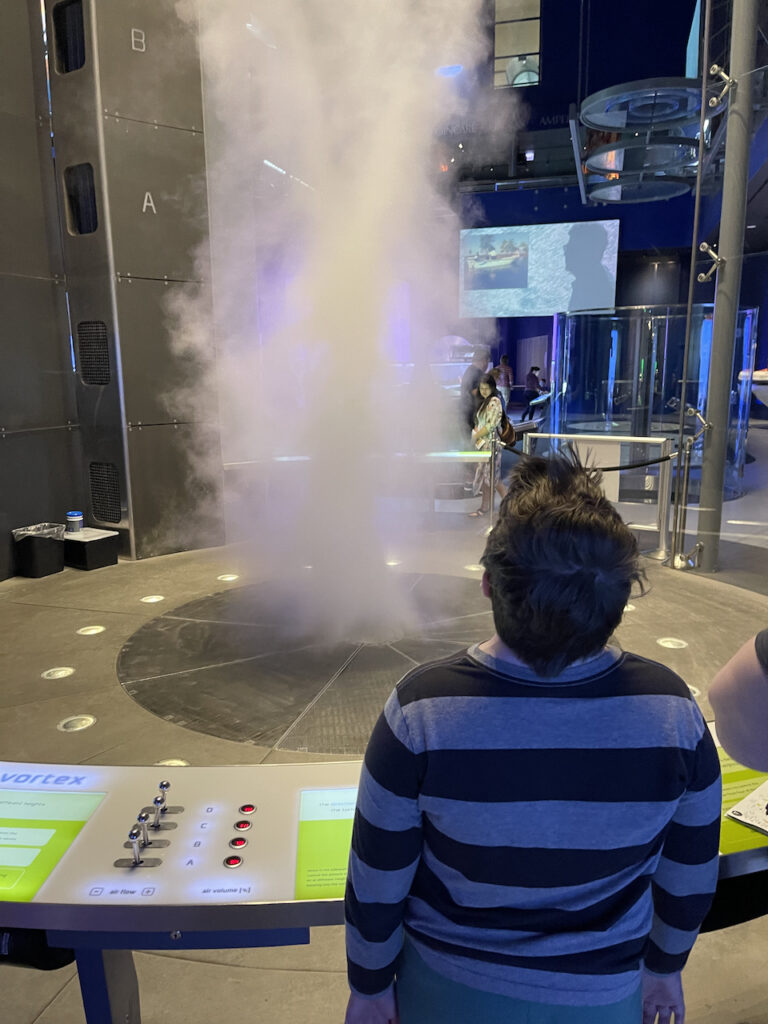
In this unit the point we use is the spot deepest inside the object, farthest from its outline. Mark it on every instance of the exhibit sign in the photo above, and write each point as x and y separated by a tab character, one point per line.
325	832
36	830
739	786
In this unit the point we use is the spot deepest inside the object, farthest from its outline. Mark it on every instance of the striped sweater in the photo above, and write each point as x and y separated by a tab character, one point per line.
536	838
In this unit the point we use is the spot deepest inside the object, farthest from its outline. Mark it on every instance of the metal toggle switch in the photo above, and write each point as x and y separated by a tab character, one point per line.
142	819
135	837
158	802
164	787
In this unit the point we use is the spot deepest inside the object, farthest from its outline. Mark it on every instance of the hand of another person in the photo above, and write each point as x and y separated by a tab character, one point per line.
663	996
379	1010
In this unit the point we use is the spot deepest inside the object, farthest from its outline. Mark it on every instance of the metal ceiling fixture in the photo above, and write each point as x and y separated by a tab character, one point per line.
637	189
651	103
647	145
648	153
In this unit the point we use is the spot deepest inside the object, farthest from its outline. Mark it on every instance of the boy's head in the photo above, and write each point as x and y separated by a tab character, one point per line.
560	563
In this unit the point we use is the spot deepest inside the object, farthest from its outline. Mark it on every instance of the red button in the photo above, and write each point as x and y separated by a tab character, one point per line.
233	861
242	826
248	808
238	842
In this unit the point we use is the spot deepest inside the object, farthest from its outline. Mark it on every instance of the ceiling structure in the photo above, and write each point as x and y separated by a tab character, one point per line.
609	109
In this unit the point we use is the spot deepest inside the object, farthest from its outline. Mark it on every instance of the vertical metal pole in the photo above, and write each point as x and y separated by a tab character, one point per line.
704	58
665	494
108	986
730	248
492	476
687	459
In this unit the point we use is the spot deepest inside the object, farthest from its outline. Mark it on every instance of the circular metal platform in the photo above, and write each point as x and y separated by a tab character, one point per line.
231	666
635	106
637	189
665	153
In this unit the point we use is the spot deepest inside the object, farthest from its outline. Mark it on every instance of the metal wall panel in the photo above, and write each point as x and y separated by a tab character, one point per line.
41	473
106	445
159	381
24	242
175	508
36	385
157	205
151	221
40	469
17	95
150	63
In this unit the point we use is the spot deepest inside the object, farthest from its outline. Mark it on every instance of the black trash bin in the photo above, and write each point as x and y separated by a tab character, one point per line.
39	549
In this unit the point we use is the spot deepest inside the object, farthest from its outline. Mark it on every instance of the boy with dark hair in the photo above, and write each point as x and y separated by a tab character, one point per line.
560	564
536	837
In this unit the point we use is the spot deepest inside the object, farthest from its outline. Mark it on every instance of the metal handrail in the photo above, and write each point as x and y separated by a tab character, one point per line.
662	552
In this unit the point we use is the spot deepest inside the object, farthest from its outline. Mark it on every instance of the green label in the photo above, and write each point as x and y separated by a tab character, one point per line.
36	830
325	834
738	782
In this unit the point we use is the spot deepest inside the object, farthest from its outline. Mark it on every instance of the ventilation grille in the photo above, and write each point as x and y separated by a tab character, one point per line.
93	352
105	492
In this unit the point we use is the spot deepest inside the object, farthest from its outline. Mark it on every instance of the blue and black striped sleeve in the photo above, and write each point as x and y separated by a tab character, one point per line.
386	847
686	877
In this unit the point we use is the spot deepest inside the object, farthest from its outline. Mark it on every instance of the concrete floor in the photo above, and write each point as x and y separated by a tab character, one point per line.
725	980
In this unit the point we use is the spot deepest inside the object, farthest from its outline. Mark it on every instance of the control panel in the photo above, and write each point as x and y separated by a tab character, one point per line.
109	837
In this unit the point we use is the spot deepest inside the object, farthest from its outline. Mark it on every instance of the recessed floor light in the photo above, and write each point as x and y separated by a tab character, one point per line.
91	630
629	607
228	577
152	599
57	673
172	762
75	723
393	561
474	568
672	643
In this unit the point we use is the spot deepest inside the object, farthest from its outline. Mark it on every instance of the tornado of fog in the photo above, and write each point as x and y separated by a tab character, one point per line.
333	258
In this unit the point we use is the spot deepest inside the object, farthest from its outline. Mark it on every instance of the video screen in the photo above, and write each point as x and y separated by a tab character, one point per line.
538	269
325	834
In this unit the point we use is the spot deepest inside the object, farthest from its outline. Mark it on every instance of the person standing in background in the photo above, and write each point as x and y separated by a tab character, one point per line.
489	418
532	390
468	393
504	380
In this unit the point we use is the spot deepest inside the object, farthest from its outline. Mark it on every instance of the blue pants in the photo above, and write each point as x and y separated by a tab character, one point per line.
426	997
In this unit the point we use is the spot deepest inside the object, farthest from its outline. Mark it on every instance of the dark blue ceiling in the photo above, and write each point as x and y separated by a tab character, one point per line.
590	45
